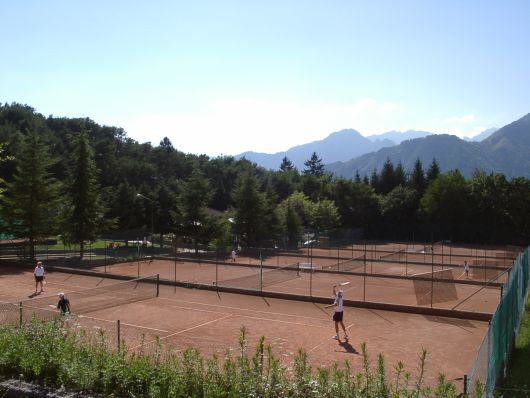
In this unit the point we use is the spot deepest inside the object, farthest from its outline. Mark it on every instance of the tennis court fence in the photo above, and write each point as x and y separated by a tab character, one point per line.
494	352
81	301
262	278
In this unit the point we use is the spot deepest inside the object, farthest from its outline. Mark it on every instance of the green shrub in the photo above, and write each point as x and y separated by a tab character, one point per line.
44	352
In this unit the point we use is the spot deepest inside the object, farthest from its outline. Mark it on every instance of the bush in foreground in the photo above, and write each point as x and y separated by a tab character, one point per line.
44	352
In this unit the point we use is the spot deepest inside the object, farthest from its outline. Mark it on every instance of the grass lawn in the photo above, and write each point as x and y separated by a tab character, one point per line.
517	383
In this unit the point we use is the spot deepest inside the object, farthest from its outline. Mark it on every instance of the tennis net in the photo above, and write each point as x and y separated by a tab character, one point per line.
260	279
435	287
352	264
398	256
93	299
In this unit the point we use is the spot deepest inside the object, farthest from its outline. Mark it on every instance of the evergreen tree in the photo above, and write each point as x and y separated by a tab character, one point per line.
286	165
399	176
387	181
357	177
417	180
192	218
433	172
375	181
366	181
314	166
31	203
250	209
2	159
85	213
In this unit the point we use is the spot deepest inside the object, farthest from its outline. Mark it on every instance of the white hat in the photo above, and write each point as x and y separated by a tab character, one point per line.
61	294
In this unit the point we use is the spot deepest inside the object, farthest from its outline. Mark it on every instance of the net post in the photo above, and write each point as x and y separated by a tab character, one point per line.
118	332
20	313
466	381
217	275
157	285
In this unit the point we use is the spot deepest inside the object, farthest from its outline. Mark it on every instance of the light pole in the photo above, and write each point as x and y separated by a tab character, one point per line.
139	195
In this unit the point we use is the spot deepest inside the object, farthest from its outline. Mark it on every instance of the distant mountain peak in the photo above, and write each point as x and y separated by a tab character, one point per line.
397	137
345	133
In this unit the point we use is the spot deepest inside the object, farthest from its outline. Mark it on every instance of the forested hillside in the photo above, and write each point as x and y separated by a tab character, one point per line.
79	180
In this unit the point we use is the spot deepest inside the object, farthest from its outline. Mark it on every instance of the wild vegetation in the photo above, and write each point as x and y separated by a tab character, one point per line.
43	352
80	180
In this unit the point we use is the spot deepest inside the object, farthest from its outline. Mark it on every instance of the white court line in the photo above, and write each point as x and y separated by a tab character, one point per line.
183	331
325	341
241	309
123	323
254	317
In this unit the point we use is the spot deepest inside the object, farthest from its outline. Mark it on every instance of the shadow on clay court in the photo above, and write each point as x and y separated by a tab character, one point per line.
464	324
348	347
322	310
11	269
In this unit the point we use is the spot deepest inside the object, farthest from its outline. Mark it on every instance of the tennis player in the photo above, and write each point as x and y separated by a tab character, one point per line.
39	276
64	304
338	304
466	269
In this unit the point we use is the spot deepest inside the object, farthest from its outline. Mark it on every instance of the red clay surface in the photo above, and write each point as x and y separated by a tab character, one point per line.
211	322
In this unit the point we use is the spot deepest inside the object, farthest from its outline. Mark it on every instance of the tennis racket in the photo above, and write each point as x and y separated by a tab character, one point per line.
343	284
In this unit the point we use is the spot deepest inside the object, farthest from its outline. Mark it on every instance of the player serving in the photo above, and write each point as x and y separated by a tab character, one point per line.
338	305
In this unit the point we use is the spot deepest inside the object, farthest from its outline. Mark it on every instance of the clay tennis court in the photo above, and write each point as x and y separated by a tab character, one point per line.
211	321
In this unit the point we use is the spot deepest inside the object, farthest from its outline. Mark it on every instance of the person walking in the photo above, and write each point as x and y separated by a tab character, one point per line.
234	256
64	304
39	276
466	269
338	316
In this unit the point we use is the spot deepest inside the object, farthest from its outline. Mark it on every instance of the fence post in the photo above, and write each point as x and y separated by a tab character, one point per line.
465	385
432	276
157	285
119	334
20	314
364	279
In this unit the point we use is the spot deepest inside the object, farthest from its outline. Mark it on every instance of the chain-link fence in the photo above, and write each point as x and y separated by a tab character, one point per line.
494	352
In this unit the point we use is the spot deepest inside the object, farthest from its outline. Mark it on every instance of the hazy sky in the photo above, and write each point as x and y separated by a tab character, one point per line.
223	77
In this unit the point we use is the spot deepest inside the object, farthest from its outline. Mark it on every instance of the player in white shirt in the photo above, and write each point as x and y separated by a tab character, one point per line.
39	276
338	304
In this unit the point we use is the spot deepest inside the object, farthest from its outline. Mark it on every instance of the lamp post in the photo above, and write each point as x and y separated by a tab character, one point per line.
139	195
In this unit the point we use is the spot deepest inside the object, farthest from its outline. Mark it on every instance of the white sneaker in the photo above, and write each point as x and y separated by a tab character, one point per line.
336	337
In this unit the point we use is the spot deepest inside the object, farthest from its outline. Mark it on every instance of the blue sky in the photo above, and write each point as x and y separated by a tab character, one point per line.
223	77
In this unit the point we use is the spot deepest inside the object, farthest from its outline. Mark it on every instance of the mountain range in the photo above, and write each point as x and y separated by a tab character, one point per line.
505	150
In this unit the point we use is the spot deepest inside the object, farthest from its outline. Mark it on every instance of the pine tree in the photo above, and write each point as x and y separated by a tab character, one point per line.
31	203
250	209
314	166
195	196
418	177
387	180
399	175
434	171
286	165
85	214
